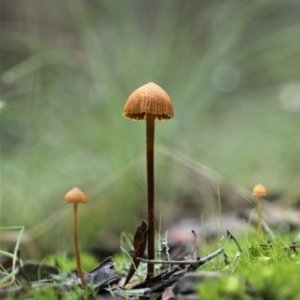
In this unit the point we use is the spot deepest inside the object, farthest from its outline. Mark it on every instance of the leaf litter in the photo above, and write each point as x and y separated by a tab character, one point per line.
104	280
177	277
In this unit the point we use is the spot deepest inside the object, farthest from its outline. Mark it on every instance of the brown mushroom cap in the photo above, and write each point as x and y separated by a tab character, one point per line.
76	196
259	190
149	98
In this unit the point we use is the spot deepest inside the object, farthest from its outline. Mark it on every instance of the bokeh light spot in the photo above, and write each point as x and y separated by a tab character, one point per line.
225	78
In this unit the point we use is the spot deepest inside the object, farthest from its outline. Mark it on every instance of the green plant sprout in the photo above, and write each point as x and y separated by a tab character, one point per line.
162	242
159	241
9	278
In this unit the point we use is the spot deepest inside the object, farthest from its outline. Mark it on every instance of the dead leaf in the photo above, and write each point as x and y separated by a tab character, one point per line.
139	244
103	275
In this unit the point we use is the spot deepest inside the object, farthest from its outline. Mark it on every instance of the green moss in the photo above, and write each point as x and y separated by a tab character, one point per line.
265	271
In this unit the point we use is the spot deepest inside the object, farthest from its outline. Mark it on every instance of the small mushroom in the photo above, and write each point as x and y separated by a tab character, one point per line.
259	191
149	103
76	196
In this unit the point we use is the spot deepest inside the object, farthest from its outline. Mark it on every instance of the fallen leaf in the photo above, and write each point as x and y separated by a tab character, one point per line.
139	244
103	275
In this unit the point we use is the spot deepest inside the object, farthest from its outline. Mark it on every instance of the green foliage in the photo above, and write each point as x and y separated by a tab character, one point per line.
44	294
50	293
67	264
262	273
226	288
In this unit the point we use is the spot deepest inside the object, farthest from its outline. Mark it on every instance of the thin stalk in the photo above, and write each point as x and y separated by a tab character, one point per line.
77	253
259	219
150	189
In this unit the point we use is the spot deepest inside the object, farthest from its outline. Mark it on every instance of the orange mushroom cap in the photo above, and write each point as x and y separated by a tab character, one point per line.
149	98
76	196
259	190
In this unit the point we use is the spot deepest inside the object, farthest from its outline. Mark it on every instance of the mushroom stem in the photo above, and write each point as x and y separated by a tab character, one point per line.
150	189
259	191
259	219
77	254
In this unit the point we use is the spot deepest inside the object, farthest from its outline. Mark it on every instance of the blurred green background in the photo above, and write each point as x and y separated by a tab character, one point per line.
230	67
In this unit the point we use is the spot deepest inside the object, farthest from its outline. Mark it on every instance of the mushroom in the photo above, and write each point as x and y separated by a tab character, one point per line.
149	103
76	196
259	191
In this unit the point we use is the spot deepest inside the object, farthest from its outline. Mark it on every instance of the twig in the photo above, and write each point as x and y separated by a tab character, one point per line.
204	260
293	246
194	264
194	246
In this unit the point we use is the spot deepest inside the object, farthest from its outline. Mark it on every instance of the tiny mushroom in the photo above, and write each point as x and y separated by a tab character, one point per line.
149	103
259	191
76	196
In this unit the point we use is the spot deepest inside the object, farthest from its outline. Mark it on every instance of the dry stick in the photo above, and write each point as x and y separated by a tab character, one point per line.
194	246
150	182
79	269
194	264
293	246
